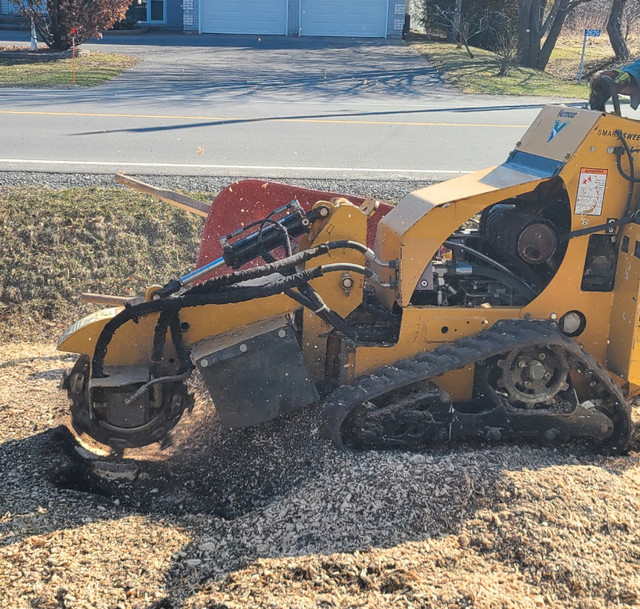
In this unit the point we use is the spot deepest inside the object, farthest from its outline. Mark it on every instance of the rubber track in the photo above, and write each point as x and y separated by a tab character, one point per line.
504	336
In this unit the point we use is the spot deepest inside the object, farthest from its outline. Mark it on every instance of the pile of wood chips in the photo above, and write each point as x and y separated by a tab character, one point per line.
276	517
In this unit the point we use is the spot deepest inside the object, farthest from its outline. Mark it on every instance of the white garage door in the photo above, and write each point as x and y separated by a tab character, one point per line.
243	16
343	18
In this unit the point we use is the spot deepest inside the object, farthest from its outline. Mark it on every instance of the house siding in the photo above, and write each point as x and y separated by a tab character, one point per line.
293	23
190	12
6	8
175	13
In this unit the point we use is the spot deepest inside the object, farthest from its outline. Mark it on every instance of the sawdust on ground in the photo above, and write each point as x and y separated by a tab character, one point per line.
275	517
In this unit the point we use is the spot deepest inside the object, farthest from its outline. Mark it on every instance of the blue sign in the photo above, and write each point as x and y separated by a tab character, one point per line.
594	33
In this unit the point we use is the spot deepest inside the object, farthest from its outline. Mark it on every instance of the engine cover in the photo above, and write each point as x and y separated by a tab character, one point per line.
255	374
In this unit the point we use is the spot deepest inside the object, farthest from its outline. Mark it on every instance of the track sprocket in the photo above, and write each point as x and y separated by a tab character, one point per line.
555	414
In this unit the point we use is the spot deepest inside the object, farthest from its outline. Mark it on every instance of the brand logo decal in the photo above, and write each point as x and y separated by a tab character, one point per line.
557	128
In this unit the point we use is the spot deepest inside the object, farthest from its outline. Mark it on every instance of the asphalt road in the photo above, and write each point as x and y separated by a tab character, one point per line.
261	106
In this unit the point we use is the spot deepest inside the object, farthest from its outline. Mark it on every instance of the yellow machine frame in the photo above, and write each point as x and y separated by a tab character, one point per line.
563	145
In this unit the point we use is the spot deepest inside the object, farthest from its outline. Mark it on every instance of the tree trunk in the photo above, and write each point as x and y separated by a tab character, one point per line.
532	28
457	17
614	29
552	37
529	34
523	31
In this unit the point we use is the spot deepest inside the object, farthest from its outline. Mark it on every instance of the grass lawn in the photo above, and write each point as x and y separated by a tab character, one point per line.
42	70
565	59
480	74
57	243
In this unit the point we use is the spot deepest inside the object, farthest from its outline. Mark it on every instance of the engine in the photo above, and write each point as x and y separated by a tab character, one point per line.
503	257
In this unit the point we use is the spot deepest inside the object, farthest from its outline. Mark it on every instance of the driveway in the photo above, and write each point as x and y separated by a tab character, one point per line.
267	66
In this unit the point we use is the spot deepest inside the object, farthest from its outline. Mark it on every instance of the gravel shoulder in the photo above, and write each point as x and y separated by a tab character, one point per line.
276	517
388	190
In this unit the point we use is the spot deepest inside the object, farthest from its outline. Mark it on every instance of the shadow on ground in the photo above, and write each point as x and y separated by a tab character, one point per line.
277	491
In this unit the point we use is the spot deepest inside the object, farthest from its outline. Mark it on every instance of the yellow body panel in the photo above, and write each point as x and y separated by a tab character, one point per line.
422	221
131	344
623	351
346	222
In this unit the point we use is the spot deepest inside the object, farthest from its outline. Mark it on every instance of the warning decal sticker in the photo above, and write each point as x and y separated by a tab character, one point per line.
590	192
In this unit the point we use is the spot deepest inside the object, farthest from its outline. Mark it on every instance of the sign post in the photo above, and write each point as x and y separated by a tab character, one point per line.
590	32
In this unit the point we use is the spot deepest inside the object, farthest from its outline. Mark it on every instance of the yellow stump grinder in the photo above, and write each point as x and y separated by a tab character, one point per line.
499	305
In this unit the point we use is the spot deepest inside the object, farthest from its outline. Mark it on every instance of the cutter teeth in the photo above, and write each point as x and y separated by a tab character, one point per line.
166	442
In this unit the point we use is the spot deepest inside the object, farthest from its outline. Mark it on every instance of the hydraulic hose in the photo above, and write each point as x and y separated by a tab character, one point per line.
279	266
631	176
168	319
319	307
159	339
230	294
286	240
451	244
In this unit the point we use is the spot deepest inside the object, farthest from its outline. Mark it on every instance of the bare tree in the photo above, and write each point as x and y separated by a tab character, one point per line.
591	15
506	50
462	26
631	16
457	18
540	20
596	14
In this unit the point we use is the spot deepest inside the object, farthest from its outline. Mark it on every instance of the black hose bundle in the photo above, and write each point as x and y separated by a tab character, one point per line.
226	290
231	294
279	266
